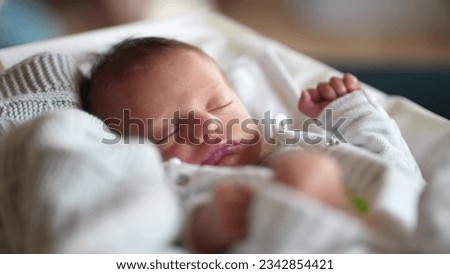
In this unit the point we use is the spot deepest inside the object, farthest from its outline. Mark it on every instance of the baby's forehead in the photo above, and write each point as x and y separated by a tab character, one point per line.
132	62
131	68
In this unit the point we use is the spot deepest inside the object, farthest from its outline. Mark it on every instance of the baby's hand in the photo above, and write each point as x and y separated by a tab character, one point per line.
314	100
223	221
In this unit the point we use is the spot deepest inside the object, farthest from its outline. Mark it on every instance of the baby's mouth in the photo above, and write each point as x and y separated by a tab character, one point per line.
216	154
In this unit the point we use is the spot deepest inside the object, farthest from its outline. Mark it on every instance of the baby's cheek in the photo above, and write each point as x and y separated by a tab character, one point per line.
188	153
250	154
230	130
250	140
169	151
245	132
251	132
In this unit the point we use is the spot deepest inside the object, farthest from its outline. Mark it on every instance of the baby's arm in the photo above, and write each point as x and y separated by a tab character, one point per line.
383	173
367	125
315	175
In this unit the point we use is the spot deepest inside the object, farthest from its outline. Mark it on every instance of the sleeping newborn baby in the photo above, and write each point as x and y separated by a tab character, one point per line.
176	96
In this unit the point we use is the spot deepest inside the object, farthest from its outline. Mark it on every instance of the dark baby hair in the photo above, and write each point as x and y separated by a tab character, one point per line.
125	54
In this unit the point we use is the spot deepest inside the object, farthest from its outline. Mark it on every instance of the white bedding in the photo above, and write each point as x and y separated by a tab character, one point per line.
237	49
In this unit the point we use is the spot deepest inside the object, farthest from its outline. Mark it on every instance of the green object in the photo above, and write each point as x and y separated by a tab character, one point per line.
361	205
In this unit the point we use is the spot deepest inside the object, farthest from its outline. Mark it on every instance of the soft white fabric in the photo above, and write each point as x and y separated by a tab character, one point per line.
64	191
284	221
433	233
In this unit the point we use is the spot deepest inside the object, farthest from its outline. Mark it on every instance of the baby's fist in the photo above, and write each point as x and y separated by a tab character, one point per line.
314	100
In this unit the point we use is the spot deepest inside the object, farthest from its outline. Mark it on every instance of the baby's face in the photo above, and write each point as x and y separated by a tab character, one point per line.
187	107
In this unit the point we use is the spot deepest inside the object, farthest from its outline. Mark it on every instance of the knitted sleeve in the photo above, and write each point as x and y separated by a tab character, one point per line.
40	83
378	165
369	127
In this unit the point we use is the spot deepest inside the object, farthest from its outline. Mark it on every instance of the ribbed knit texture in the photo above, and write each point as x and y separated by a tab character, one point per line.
41	83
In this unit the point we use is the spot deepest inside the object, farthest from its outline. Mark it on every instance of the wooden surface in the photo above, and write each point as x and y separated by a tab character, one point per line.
420	49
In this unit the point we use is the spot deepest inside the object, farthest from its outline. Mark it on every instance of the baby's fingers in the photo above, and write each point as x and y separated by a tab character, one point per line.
315	95
339	86
308	106
351	82
326	91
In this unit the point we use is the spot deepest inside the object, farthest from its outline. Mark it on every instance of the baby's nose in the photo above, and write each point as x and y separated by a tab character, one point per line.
201	127
212	131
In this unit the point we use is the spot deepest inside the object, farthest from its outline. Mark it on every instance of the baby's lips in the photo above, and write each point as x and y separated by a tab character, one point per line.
218	152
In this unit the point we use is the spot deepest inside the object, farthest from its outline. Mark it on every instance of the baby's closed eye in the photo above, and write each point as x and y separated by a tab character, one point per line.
220	106
162	132
165	137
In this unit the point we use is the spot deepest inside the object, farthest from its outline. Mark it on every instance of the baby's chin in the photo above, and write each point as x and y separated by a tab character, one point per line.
248	155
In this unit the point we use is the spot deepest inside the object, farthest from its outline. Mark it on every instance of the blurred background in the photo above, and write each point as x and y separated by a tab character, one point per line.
398	46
